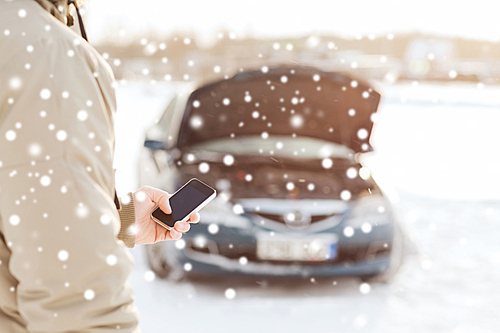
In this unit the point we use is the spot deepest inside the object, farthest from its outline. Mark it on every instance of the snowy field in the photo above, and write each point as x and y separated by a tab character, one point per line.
437	157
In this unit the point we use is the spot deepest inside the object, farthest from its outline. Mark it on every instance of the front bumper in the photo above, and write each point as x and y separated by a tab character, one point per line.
367	254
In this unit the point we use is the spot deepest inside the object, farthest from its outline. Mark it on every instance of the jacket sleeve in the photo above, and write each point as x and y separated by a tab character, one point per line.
56	198
126	210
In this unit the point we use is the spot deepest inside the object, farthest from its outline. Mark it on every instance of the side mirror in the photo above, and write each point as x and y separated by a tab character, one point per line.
154	145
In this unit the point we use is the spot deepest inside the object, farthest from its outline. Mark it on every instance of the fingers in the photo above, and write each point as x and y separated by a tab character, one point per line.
174	235
194	218
158	196
182	226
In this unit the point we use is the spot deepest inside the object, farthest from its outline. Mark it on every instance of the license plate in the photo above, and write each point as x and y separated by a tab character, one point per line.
321	247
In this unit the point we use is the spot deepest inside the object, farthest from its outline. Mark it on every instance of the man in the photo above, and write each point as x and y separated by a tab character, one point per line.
63	260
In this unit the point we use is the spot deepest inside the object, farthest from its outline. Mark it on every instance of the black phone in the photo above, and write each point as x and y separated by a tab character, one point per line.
190	198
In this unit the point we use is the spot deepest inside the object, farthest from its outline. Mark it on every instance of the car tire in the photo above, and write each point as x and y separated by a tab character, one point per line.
156	259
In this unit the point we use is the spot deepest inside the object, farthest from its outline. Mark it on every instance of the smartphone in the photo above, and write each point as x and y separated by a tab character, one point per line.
189	199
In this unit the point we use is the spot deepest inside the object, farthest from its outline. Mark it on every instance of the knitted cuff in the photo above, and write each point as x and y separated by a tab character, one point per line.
127	219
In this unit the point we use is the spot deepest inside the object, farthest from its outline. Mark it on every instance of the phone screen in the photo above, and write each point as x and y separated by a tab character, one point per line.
184	201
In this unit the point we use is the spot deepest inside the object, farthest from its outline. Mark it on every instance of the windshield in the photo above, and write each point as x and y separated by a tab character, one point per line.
279	146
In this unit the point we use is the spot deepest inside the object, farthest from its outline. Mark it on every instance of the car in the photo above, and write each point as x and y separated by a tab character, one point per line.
281	145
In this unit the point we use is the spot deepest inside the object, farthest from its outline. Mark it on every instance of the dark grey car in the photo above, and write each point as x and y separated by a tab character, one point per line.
281	145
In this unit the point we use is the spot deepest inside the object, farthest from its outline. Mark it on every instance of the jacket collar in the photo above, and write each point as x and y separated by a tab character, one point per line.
59	9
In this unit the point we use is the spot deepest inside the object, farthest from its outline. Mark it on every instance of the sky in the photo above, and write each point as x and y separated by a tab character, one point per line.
105	19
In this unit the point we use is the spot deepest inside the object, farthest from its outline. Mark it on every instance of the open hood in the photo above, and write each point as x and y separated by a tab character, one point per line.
295	101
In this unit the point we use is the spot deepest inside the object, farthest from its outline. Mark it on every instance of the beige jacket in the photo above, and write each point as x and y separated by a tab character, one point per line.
63	260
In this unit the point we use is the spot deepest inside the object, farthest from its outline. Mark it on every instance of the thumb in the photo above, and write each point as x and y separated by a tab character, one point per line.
164	204
159	197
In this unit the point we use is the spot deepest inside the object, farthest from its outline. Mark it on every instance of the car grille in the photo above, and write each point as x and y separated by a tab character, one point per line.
280	218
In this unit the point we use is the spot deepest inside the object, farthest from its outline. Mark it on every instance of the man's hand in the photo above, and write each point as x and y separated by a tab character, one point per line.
148	231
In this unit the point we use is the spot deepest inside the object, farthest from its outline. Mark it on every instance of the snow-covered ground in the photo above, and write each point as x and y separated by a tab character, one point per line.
437	156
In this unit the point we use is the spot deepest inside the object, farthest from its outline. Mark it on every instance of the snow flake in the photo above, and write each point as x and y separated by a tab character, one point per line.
452	74
180	244
149	276
71	53
213	228
327	163
63	255
140	196
91	135
255	114
364	288
45	93
105	219
295	100
345	195
362	133
196	103
290	186
226	101
279	145
61	135
195	122
297	121
22	13
187	40
264	135
204	167
316	77
248	98
243	260
348	231
52	127
14	220
351	112
354	83
366	228
65	94
265	69
217	69
10	135
310	187
64	189
27	66
45	180
230	293
89	294
238	209
35	149
351	173
365	94
188	267
40	249
97	148
6	32
15	82
111	260
82	115
30	48
228	160
248	177
284	79
289	47
82	211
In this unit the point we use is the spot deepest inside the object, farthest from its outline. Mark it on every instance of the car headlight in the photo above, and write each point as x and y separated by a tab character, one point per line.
370	211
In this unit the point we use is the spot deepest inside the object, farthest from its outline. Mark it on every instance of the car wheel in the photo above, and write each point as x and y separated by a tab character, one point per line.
156	260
